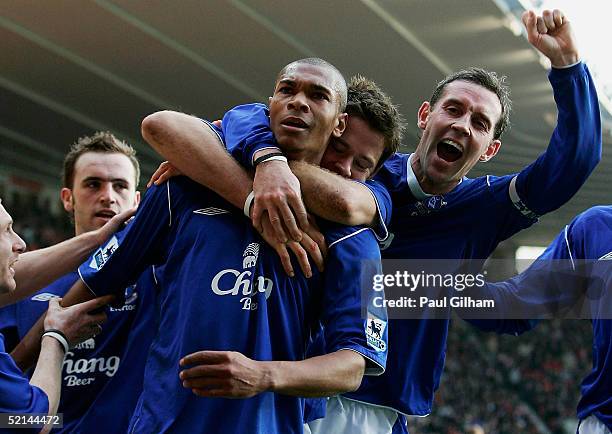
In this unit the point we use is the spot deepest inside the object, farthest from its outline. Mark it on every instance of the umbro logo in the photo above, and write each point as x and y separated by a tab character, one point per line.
606	257
211	211
44	296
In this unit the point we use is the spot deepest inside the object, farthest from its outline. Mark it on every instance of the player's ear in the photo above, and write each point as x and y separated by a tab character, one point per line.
66	197
137	198
340	125
491	151
423	115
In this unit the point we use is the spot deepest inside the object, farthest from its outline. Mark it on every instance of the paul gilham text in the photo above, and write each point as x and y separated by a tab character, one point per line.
426	302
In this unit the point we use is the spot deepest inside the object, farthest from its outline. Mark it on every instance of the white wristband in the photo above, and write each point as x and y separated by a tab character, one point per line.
59	338
248	203
275	158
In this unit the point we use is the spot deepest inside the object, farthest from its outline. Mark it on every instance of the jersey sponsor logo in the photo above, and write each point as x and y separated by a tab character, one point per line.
606	257
211	211
374	333
241	283
75	368
44	296
103	253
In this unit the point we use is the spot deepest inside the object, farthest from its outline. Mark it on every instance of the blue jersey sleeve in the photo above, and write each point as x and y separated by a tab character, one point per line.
551	285
246	129
124	257
574	149
17	395
383	207
353	259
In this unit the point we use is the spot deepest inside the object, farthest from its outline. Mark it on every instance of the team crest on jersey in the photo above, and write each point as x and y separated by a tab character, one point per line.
130	296
240	283
606	257
436	202
250	255
103	253
44	296
432	204
375	329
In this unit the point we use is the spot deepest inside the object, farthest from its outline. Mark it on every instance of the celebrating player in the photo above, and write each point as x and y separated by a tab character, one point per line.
100	177
439	213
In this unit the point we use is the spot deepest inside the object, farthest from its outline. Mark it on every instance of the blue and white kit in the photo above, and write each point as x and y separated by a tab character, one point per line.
89	369
468	223
223	288
583	248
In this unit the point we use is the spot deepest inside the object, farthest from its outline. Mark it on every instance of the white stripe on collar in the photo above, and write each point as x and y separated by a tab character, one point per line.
413	183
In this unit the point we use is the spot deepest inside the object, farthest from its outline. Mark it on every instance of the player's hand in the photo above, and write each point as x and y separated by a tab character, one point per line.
164	172
552	35
113	225
311	245
77	322
224	374
277	191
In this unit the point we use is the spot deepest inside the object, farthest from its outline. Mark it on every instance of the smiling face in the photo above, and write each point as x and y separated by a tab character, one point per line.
305	110
11	245
103	185
458	131
356	152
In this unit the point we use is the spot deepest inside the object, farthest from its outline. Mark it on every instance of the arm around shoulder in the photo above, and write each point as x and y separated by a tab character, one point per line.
333	197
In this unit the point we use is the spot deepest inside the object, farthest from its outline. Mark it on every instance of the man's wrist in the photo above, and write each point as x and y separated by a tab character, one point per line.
269	375
52	340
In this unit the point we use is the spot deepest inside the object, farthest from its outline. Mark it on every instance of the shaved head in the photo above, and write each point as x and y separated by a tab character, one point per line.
339	83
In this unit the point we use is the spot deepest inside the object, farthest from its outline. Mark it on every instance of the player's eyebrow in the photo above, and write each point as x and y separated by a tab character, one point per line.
97	178
287	81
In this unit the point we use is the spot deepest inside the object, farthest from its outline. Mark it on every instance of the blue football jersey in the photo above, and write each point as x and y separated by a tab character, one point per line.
223	288
92	365
584	249
467	224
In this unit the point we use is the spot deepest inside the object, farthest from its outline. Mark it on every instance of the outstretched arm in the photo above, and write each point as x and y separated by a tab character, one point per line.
232	375
39	268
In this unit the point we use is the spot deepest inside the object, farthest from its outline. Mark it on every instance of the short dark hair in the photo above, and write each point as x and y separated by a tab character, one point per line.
489	80
369	102
102	142
316	61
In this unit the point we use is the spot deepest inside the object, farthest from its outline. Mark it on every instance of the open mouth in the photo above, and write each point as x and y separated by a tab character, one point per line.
294	122
449	151
106	214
